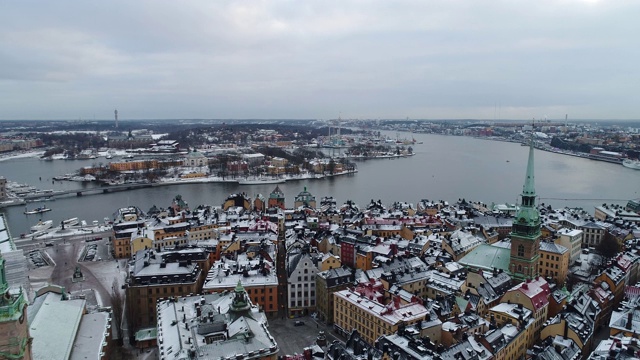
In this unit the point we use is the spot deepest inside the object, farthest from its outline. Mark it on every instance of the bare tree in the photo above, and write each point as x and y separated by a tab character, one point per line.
117	305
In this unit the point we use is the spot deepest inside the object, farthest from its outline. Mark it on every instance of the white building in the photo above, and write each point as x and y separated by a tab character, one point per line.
572	240
302	272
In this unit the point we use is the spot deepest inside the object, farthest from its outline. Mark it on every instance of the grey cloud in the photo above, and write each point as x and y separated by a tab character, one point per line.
274	59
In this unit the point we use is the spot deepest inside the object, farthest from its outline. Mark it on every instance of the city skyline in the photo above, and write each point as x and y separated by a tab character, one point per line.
278	60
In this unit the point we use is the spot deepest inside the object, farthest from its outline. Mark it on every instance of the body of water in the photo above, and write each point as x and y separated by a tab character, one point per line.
444	168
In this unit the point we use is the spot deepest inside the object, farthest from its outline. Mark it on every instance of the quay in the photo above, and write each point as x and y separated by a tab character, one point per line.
90	191
133	186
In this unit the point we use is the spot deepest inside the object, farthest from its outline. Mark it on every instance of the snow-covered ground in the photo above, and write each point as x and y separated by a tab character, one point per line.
18	155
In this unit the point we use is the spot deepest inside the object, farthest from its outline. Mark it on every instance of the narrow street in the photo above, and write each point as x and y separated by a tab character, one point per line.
281	260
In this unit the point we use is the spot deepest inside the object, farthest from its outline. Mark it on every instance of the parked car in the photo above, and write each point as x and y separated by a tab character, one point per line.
298	323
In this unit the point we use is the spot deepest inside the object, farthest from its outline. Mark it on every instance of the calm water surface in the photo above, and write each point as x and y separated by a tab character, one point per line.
444	167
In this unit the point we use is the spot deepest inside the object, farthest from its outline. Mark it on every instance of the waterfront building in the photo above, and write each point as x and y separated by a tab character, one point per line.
259	203
129	141
214	326
139	165
304	198
123	232
370	318
237	200
195	159
633	205
525	234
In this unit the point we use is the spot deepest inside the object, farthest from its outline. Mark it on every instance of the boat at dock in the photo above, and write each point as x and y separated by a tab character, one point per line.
37	210
70	222
258	181
631	164
41	226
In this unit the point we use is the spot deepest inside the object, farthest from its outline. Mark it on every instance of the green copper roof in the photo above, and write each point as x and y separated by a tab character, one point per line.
528	214
239	287
487	257
529	181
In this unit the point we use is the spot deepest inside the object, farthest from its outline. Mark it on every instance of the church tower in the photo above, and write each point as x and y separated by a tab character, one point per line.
276	199
15	342
525	231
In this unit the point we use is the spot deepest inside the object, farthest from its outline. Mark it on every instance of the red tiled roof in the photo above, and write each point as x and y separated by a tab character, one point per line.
537	290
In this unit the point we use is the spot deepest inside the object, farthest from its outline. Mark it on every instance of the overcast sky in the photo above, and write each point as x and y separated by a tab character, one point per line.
320	59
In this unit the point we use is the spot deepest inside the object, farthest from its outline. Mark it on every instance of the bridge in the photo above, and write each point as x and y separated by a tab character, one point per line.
88	191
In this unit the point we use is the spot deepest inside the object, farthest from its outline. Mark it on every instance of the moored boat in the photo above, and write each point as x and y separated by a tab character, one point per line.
257	181
41	226
70	222
631	164
37	210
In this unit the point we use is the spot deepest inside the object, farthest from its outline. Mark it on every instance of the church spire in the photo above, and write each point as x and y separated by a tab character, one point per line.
525	230
529	181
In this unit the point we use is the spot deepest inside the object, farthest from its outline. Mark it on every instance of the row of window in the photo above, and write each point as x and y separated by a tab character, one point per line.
293	294
299	303
547	265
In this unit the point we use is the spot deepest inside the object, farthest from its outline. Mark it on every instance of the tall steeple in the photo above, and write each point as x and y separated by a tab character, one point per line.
525	231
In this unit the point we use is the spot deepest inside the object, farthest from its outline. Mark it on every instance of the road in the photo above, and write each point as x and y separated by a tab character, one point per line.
63	236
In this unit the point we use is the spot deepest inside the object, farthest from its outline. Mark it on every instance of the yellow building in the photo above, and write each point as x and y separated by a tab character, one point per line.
140	241
507	342
522	319
554	262
352	311
570	325
203	232
279	162
330	261
533	295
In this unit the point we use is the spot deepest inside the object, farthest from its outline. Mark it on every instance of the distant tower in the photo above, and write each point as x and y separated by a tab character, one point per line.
116	113
276	198
525	231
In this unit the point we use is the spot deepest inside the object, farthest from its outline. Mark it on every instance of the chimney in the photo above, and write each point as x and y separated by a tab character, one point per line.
396	302
630	320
